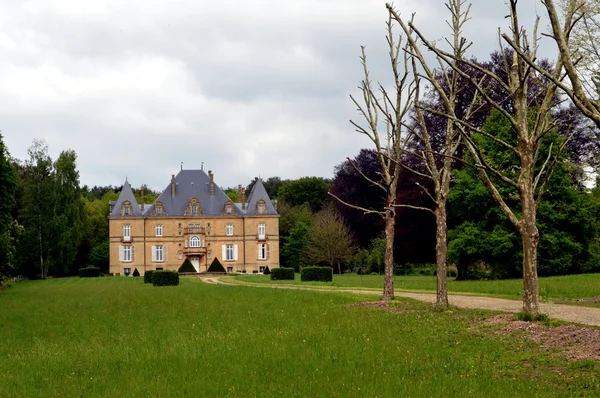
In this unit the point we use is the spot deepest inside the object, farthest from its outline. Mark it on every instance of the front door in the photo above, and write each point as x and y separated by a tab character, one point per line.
196	263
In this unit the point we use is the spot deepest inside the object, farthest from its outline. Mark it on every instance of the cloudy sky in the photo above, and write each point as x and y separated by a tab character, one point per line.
248	87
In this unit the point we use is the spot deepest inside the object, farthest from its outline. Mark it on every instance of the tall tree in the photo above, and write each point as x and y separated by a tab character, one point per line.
530	121
330	240
8	191
389	137
67	224
306	190
36	210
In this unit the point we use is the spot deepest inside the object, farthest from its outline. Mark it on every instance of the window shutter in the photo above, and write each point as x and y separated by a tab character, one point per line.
121	255
258	252
235	252
132	252
268	252
165	254
186	243
153	253
224	252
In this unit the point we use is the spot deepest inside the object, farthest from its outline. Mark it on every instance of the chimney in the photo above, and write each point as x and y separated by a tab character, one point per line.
212	183
142	193
243	198
173	185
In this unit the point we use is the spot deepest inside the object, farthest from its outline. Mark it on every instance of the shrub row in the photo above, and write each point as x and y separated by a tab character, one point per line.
165	278
148	276
282	274
89	272
319	274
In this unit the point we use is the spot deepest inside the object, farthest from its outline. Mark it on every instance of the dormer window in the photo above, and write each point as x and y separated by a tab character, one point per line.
228	208
158	209
194	207
261	207
126	209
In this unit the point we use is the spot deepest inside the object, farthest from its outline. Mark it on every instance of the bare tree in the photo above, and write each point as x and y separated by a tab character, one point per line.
385	115
330	240
579	17
531	99
438	161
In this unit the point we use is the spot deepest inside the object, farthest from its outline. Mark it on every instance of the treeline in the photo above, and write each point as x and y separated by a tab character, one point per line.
49	224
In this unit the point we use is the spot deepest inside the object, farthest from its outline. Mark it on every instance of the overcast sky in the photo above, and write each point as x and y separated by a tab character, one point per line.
247	87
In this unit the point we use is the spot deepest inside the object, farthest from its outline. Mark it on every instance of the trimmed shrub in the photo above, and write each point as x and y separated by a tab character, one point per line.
187	266
165	278
216	266
267	271
148	276
318	274
136	272
283	274
255	271
89	272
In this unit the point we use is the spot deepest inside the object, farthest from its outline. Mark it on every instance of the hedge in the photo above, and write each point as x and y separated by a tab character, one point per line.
165	278
216	266
187	266
89	272
282	274
319	274
136	272
148	276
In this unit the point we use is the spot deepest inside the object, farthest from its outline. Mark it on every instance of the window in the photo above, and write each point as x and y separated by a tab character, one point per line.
179	255
126	232
159	253
127	271
159	230
194	241
229	230
229	269
125	253
126	210
179	225
194	209
261	269
263	251
229	253
208	255
262	229
159	211
260	207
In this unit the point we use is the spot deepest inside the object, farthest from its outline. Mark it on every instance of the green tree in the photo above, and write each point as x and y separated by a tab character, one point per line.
306	190
8	226
294	248
67	224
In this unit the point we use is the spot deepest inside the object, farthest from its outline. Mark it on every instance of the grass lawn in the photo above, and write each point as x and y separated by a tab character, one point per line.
551	288
117	337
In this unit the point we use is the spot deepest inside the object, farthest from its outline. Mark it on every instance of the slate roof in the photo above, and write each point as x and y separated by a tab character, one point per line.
257	193
192	184
126	195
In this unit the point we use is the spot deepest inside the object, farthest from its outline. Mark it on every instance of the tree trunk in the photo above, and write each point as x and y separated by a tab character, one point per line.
41	253
390	225
530	237
339	268
441	252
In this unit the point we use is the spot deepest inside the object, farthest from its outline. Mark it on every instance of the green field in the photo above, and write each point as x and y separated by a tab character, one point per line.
117	337
551	288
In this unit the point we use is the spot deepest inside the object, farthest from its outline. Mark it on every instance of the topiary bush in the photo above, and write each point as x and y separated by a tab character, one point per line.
165	278
255	271
283	274
136	272
318	274
148	276
267	271
187	266
216	266
89	272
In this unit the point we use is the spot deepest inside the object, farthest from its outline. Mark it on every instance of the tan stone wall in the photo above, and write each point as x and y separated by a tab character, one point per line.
174	240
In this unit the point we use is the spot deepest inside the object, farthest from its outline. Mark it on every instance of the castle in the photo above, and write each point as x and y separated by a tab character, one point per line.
193	218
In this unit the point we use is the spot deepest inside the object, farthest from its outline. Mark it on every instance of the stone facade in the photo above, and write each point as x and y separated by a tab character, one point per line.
243	236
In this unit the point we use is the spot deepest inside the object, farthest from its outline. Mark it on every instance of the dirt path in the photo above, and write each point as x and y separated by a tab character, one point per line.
563	312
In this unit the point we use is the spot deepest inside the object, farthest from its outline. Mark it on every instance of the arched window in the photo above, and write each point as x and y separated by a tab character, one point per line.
126	209
194	208
260	207
158	209
194	241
